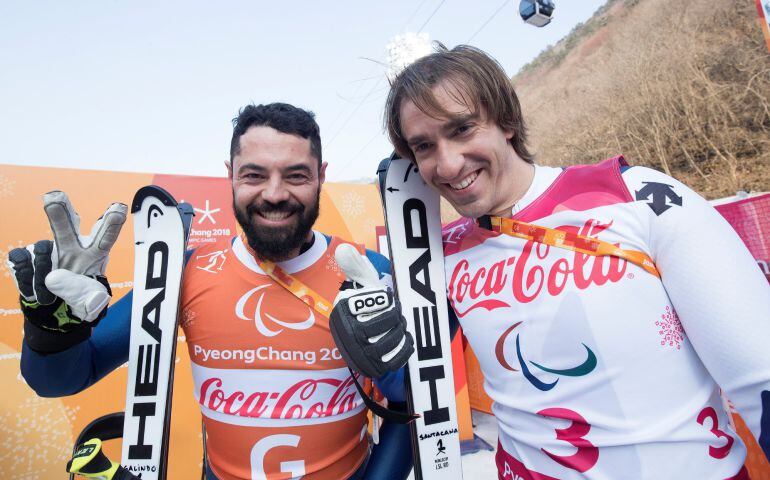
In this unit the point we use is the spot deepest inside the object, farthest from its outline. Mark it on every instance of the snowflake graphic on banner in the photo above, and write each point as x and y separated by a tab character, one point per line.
6	186
22	454
352	205
670	329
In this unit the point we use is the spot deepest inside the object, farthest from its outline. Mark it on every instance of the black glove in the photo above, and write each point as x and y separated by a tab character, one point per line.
366	323
62	287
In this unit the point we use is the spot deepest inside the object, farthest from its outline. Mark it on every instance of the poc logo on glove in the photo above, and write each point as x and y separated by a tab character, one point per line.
368	302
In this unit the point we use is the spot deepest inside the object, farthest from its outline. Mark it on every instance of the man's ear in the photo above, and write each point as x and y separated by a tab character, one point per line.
229	166
322	173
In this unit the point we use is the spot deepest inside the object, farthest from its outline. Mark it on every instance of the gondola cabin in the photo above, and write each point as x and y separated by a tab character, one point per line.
537	12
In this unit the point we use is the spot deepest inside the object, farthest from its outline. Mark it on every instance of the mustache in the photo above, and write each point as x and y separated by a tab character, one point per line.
273	243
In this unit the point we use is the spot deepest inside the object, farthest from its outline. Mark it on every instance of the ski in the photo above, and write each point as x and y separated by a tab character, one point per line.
160	235
413	225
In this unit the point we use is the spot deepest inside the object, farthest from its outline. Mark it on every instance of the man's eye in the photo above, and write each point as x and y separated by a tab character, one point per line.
421	147
463	129
298	179
252	176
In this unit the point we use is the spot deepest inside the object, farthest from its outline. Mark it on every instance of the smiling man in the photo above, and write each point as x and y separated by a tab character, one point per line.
276	177
607	305
277	399
476	158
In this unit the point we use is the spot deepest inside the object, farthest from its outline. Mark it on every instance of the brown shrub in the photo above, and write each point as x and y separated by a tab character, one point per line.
684	89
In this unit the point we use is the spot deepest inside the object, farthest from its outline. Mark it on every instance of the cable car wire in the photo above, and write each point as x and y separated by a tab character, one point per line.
355	110
336	133
431	16
506	2
411	17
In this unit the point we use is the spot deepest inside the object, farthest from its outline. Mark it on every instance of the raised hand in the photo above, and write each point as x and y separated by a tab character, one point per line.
366	321
61	283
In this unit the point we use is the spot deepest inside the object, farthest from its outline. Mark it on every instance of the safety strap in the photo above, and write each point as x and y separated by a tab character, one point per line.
382	412
571	241
318	303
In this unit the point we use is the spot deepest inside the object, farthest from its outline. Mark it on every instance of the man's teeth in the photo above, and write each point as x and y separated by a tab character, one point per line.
274	216
464	182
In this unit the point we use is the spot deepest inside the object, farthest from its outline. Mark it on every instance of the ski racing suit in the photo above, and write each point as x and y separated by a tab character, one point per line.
276	397
597	368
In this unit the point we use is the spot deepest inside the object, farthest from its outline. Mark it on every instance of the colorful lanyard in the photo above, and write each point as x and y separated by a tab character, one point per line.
571	241
294	285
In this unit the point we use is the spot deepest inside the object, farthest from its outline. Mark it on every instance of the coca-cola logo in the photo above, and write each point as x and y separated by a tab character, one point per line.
259	316
306	399
529	275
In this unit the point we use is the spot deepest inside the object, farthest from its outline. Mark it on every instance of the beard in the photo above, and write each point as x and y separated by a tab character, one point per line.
275	244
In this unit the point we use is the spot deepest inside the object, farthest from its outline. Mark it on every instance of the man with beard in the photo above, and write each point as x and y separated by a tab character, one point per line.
275	394
609	306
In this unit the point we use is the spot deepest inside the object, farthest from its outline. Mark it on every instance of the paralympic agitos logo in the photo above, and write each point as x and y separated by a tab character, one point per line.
258	317
586	367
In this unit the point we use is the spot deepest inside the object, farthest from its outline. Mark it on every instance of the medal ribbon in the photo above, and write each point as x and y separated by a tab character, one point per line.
295	286
571	241
298	288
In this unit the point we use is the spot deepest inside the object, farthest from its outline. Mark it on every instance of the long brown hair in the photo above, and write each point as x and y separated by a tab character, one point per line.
478	81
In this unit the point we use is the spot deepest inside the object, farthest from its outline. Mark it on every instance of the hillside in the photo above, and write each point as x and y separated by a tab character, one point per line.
683	87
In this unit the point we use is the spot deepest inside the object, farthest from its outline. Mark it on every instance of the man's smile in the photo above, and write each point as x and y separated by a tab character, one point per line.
275	216
465	182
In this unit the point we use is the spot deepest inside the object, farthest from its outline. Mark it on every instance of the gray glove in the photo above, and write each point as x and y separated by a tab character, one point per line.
79	260
62	283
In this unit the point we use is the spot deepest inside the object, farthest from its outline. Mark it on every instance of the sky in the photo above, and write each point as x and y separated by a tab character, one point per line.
152	86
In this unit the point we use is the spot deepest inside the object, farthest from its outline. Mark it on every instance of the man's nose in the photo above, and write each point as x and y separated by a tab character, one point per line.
449	161
275	191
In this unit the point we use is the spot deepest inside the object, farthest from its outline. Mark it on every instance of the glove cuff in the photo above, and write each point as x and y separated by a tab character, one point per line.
45	341
103	280
53	328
